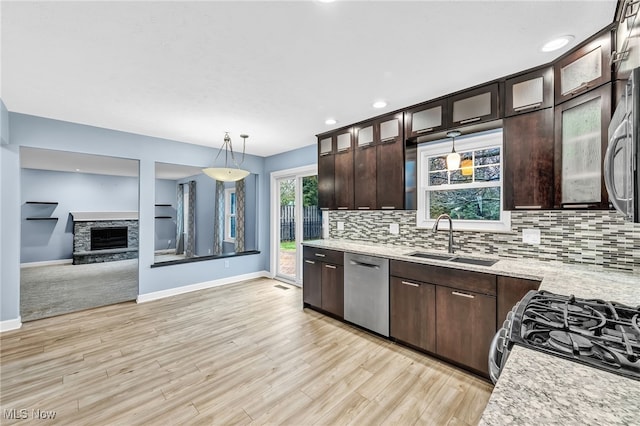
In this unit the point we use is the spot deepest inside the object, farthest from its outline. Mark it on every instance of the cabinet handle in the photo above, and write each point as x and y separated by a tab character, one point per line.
578	206
343	208
470	120
582	87
424	130
388	207
343	150
366	145
310	262
528	207
524	107
388	140
619	56
468	296
364	208
330	266
321	255
628	11
411	284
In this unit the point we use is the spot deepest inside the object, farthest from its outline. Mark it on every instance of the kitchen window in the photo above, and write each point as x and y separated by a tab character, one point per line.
230	215
471	194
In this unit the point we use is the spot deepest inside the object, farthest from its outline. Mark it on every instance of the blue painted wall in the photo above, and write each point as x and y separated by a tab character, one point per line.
74	192
4	124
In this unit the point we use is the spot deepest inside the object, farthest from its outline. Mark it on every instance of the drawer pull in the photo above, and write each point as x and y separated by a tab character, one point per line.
343	208
424	130
470	120
330	266
364	208
524	107
310	262
468	296
528	207
411	284
388	207
321	255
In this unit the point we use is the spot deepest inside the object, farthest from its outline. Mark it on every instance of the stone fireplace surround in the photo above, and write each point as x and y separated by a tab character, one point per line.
82	224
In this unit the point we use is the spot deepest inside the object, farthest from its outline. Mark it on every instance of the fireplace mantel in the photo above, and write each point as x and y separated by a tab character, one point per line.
99	216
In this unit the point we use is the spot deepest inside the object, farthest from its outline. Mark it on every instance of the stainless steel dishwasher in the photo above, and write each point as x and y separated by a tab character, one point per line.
366	292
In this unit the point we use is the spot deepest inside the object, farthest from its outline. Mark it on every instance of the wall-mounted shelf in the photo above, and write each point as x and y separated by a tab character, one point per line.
164	217
42	218
42	202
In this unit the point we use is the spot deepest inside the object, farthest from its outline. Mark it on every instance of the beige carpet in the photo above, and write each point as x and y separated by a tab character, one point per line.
47	291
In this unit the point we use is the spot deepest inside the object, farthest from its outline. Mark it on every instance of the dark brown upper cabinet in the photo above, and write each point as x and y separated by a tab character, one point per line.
475	106
581	126
529	92
335	170
379	164
626	54
426	119
584	69
528	178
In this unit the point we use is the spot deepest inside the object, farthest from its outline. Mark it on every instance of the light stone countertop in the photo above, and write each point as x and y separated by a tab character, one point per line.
537	388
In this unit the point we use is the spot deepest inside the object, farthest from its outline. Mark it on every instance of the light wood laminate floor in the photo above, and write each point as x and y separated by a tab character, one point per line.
245	353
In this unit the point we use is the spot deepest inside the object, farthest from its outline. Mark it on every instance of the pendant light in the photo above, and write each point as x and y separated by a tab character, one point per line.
453	159
226	173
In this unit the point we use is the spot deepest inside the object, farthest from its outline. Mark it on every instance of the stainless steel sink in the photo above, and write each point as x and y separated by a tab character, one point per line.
454	258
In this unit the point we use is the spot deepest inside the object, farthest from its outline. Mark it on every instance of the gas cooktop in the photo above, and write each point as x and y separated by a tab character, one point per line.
598	333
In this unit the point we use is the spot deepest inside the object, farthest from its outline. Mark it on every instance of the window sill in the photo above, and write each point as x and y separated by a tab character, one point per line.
203	258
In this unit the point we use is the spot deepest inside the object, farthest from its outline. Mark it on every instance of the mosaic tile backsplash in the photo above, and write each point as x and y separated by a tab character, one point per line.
595	237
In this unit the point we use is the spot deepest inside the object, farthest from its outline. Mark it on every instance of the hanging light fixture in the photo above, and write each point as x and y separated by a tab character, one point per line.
453	159
228	174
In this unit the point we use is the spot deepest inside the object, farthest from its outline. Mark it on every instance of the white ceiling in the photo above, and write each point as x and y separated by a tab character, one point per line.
189	71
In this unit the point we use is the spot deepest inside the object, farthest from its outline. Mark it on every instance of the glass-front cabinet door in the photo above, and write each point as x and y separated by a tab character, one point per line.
585	69
581	141
529	92
426	119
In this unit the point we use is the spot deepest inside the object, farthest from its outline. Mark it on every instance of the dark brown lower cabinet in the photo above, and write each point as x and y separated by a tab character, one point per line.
312	282
333	289
465	326
413	313
510	291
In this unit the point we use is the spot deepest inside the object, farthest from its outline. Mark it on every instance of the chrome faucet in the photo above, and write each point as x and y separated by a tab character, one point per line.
435	228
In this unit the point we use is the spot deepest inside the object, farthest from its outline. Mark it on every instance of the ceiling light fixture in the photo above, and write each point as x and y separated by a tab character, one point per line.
557	43
330	121
379	104
228	174
453	159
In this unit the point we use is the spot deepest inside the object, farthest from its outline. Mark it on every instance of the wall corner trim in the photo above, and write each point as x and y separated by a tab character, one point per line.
148	297
12	324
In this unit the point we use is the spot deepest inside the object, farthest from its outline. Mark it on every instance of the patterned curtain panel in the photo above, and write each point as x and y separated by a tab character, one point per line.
240	191
218	219
179	221
191	228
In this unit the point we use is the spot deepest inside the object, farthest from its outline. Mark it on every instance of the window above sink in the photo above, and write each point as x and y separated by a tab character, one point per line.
470	194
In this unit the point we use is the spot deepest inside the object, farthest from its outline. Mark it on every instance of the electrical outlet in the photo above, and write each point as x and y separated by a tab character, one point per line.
394	228
340	226
226	263
531	236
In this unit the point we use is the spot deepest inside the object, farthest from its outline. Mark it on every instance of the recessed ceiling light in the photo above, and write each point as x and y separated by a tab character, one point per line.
379	104
330	121
557	43
77	170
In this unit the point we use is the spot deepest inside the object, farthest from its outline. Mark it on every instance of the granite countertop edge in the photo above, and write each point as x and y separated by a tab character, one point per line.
533	382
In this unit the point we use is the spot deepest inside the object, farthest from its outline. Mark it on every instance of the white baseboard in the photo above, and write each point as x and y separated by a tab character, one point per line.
148	297
47	263
9	325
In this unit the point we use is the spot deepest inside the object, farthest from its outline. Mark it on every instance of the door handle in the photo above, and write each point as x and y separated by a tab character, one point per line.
321	255
411	284
330	266
619	134
524	107
470	120
310	262
468	296
424	130
366	265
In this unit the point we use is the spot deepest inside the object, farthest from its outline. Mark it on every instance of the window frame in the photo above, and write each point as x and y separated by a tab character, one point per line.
473	142
228	238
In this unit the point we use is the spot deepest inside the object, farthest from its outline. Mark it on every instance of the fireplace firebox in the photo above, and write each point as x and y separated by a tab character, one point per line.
109	238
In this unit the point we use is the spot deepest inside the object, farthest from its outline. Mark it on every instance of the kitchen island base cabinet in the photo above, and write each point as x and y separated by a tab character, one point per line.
465	326
413	313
